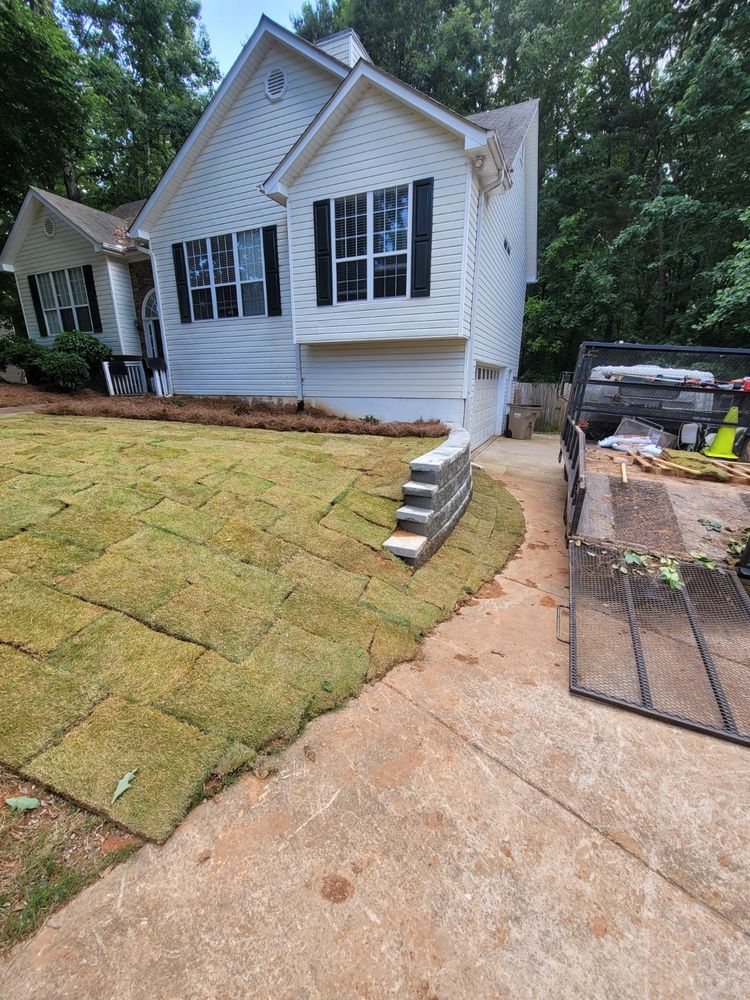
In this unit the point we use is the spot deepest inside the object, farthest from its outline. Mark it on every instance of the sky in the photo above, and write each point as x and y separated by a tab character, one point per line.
231	22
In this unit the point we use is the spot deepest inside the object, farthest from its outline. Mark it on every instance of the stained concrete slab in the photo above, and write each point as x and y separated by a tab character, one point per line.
465	828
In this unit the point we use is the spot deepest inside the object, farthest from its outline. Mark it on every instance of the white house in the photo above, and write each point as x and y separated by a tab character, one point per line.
326	234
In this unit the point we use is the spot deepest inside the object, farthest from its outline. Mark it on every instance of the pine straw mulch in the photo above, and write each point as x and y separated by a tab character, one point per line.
24	395
229	411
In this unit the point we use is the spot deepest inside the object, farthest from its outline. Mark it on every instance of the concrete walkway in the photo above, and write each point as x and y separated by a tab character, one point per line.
9	411
464	829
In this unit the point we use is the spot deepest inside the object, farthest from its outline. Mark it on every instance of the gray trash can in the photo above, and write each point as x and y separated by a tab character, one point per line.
521	420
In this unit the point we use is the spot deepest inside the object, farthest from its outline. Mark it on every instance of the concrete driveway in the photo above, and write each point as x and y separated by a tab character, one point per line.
465	828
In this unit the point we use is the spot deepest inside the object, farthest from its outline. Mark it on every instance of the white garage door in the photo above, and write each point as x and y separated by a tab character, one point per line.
484	406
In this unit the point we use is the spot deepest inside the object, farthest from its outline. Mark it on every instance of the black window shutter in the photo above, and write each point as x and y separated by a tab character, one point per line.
37	302
323	273
88	280
421	237
180	277
271	262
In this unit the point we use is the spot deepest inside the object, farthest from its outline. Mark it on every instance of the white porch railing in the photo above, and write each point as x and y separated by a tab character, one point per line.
128	378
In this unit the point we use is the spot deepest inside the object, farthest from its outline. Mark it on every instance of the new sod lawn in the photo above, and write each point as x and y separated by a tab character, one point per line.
175	598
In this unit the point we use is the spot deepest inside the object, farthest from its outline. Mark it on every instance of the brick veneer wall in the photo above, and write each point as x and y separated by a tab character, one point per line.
142	281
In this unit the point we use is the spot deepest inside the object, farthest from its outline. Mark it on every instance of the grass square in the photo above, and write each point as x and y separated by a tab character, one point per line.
249	544
127	658
78	526
42	558
190	522
227	505
351	626
323	577
22	511
342	520
326	672
102	496
38	618
191	494
237	701
391	644
373	508
400	608
212	619
117	582
441	589
171	760
37	704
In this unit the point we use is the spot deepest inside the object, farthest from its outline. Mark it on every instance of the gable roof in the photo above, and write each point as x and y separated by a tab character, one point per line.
363	76
104	230
251	54
511	124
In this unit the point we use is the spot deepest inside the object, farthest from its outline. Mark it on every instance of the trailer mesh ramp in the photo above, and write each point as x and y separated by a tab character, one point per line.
680	655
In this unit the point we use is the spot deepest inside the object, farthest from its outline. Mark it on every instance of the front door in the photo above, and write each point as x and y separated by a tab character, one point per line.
152	326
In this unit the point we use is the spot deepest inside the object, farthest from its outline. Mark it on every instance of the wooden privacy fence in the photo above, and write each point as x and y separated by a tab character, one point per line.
544	394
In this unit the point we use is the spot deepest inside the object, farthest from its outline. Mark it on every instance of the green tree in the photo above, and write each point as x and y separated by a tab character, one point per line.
148	65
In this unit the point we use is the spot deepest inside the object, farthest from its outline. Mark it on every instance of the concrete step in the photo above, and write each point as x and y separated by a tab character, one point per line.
405	544
420	489
419	515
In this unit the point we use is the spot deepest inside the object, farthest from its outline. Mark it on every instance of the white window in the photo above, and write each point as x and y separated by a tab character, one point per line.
371	237
225	275
390	232
64	301
350	225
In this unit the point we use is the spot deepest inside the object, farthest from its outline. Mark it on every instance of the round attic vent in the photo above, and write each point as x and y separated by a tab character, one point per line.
48	226
275	84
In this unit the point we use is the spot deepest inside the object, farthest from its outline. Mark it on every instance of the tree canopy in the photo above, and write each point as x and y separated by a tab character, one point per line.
644	150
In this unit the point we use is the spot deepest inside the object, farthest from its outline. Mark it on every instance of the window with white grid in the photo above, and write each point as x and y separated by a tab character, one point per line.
390	233
350	234
371	235
64	300
250	260
225	275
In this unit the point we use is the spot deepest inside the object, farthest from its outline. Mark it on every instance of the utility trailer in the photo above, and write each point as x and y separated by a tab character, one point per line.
659	615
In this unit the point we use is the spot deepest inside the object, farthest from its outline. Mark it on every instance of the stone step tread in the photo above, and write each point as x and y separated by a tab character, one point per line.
419	514
420	489
405	544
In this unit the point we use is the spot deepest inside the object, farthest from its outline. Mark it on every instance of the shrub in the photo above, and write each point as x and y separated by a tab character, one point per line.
65	369
85	345
19	350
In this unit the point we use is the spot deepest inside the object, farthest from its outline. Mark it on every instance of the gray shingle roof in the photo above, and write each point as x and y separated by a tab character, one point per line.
107	228
510	123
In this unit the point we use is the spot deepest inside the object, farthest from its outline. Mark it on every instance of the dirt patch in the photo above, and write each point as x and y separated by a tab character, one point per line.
548	602
228	411
47	855
336	889
491	589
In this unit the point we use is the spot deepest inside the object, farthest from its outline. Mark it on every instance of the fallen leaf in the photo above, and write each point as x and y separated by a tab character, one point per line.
22	803
123	785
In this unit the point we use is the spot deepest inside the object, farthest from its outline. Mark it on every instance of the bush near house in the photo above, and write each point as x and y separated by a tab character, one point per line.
69	363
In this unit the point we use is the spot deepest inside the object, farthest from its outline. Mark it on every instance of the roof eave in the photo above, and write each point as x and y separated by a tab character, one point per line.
364	73
265	27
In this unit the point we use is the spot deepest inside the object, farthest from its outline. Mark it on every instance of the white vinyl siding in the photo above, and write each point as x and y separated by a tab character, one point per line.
122	290
219	194
501	278
38	254
381	144
396	369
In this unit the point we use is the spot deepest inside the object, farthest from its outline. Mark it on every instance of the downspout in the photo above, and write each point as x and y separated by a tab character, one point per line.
297	348
469	357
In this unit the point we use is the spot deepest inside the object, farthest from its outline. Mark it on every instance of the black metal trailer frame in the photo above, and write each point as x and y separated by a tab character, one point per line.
672	671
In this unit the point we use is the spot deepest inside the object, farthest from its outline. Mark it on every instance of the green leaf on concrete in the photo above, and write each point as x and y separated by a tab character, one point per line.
124	784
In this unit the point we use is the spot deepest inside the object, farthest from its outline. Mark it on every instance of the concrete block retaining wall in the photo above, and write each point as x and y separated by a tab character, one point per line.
434	499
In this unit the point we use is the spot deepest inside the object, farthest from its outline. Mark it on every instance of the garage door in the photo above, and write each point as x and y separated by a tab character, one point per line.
484	406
